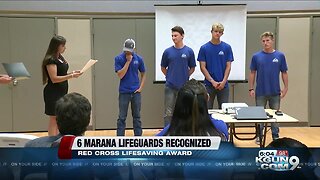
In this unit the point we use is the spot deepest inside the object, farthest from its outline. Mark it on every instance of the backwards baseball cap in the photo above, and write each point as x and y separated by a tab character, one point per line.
129	45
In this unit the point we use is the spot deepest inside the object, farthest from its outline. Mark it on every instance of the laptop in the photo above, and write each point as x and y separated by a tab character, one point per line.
251	113
16	70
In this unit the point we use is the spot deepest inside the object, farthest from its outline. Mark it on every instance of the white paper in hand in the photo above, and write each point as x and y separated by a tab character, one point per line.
88	65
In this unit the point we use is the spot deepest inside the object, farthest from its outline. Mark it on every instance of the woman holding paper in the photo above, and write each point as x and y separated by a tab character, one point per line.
55	76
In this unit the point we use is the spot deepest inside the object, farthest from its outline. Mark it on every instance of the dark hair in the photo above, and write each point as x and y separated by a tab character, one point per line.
178	29
190	115
286	143
73	114
52	52
296	148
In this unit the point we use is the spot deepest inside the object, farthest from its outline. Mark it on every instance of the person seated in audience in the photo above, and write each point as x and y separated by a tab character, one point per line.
286	143
5	79
295	148
191	118
73	117
190	115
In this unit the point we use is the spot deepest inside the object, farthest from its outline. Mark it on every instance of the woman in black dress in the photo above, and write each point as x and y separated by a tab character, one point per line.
55	76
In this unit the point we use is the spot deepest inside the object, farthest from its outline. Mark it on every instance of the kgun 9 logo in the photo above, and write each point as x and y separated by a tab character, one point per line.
277	160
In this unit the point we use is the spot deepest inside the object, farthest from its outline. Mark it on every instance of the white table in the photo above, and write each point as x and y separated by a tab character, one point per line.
229	118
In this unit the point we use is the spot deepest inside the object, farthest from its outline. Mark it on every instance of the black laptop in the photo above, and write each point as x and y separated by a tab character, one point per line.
16	70
251	113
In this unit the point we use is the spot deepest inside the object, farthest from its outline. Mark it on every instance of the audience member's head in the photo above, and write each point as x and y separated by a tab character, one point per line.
190	115
73	114
295	148
300	149
286	143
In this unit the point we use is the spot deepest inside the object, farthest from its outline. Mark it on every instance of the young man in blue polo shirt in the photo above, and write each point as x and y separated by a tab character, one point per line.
177	64
127	65
266	65
215	59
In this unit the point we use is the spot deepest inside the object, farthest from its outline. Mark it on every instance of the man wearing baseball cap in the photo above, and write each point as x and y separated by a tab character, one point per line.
127	65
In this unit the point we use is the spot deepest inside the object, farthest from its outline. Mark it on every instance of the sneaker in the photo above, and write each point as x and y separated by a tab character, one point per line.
257	141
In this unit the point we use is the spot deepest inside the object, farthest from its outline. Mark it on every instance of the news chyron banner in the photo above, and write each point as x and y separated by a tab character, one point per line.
158	158
81	147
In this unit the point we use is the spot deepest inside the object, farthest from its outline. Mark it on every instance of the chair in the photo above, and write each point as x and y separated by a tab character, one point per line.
15	139
8	140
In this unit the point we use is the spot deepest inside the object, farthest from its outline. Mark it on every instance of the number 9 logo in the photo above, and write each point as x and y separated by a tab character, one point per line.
294	161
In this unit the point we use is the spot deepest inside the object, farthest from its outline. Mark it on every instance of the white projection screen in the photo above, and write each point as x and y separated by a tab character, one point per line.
197	21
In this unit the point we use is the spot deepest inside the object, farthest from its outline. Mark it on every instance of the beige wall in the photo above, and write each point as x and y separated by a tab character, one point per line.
294	41
77	32
78	52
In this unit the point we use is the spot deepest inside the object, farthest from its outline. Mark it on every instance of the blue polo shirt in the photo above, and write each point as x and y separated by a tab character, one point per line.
130	81
216	57
268	67
178	62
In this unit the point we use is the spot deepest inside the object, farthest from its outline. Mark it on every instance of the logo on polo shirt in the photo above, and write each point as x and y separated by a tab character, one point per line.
135	62
183	56
221	53
275	60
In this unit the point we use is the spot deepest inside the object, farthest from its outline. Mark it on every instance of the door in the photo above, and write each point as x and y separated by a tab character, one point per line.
109	35
28	41
5	90
314	84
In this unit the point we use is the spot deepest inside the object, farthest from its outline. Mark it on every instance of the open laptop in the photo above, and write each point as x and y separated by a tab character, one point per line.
16	70
251	113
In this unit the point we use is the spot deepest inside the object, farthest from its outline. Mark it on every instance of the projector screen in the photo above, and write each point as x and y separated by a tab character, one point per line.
197	22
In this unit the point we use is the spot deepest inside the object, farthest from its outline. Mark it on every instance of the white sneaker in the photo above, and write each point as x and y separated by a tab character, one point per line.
258	141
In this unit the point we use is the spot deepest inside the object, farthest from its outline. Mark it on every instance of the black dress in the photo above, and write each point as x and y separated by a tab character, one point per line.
54	91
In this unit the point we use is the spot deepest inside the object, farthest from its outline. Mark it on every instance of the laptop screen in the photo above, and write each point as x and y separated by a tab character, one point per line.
16	70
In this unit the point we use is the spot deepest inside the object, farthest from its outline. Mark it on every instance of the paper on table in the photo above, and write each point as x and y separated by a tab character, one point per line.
88	65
